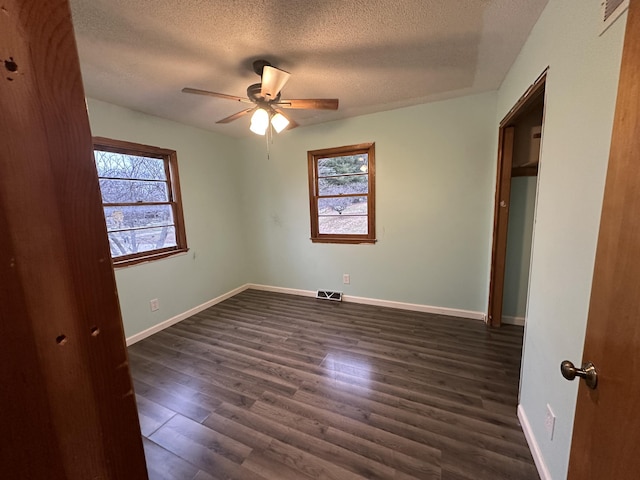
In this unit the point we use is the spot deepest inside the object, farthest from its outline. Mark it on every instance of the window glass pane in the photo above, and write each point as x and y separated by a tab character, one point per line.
132	191
341	182
127	242
143	212
341	165
342	206
341	224
120	165
143	216
343	185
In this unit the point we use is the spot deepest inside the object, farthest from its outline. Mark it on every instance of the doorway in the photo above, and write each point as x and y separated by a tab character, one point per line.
520	137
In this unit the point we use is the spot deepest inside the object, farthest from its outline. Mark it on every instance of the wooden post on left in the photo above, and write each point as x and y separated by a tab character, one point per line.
67	407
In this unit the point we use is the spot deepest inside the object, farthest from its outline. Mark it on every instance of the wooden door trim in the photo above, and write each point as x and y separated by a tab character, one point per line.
528	100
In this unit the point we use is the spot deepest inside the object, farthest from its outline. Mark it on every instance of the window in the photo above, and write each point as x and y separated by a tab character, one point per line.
341	194
141	200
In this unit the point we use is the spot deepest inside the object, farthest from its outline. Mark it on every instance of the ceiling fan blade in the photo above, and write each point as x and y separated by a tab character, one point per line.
215	94
236	116
292	123
310	103
273	79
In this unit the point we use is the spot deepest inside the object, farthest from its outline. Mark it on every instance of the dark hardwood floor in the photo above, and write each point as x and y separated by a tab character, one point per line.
281	387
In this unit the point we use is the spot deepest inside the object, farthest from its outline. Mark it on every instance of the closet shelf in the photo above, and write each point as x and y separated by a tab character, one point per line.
527	170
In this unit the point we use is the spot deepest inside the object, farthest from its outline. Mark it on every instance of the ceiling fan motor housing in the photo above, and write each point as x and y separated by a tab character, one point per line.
258	66
255	95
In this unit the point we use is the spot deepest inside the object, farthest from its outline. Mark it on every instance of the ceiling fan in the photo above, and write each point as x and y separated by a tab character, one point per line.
266	97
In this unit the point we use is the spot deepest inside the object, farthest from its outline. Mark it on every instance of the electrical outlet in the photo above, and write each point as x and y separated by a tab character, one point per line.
346	278
154	304
550	422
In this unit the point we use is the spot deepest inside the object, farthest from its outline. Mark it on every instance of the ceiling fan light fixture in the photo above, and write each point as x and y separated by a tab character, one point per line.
279	122
265	101
273	79
259	121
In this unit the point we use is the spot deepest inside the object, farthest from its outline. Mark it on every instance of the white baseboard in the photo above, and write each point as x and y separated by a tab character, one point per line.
452	312
533	445
178	318
513	320
289	291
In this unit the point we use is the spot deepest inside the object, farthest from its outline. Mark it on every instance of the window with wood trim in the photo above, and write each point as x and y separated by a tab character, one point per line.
342	194
141	199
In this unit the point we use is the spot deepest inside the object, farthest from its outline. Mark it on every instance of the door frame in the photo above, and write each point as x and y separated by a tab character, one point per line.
502	197
68	409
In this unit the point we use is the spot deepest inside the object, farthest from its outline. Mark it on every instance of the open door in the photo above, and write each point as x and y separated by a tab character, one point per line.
500	225
67	407
509	156
606	430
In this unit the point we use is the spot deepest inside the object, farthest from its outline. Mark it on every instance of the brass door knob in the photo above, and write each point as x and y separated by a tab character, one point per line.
588	373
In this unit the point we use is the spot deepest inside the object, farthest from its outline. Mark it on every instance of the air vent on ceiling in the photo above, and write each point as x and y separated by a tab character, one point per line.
329	295
611	10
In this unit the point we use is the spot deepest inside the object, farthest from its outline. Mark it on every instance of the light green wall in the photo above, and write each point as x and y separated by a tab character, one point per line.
247	217
516	275
580	100
435	172
209	177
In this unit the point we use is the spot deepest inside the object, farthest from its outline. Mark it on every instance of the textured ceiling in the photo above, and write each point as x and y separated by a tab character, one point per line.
373	55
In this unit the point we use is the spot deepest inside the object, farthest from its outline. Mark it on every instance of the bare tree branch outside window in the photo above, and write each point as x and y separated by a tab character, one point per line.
341	193
137	199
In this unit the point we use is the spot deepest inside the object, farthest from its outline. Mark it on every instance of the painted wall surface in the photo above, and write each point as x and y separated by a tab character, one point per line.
516	274
580	101
435	169
209	176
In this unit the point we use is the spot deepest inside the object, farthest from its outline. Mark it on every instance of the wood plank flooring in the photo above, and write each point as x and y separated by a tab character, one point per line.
270	386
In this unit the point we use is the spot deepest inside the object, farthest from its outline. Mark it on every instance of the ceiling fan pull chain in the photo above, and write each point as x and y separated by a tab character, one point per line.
268	134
